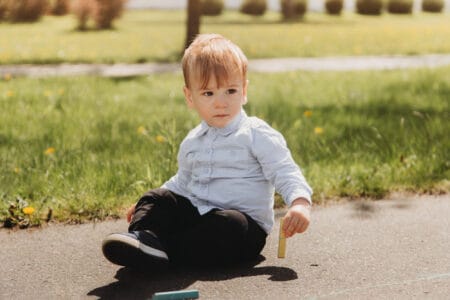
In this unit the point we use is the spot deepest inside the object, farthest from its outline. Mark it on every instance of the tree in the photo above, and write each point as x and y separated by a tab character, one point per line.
193	21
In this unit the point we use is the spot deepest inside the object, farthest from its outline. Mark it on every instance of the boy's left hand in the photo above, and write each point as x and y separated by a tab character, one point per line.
297	218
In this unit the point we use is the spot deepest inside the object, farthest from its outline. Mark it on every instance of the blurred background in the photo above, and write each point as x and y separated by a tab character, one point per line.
314	5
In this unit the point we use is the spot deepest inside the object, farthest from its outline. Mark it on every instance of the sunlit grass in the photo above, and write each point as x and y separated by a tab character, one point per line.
159	36
87	147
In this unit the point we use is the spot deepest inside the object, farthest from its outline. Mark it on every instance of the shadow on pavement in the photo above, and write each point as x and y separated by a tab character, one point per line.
132	284
364	209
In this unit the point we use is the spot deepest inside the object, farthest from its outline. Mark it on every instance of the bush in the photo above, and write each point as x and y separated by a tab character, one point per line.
103	12
83	9
3	9
26	10
369	7
212	7
400	6
334	7
293	9
106	11
253	7
60	7
435	6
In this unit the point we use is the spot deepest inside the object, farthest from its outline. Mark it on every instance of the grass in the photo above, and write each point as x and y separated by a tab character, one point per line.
88	147
142	36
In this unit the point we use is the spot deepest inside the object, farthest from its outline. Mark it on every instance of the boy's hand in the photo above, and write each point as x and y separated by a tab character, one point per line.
297	218
130	212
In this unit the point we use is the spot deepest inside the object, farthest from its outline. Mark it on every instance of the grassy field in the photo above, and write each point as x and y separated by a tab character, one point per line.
87	147
142	36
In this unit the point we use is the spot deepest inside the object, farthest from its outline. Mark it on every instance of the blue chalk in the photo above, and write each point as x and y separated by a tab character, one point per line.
176	295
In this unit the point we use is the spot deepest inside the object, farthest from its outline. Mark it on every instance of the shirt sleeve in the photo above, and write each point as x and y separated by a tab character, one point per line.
278	166
177	183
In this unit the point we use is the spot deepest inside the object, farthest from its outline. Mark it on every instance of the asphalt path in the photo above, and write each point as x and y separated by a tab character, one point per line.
392	248
313	5
313	64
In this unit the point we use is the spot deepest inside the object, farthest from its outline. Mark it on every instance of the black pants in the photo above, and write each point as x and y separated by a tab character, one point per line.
215	238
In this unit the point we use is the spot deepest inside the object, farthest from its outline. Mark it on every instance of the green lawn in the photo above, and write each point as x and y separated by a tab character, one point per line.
87	147
159	35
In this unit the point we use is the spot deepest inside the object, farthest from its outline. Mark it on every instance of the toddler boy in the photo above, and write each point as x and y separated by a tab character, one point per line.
218	208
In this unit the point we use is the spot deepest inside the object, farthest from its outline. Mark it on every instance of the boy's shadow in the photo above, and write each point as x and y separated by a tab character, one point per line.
133	284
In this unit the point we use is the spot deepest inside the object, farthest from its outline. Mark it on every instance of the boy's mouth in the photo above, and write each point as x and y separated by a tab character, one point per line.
221	116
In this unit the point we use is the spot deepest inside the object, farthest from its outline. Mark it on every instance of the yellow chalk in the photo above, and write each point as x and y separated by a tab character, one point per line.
281	242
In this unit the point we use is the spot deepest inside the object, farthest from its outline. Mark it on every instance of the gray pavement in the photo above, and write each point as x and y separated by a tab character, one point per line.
350	63
396	248
313	5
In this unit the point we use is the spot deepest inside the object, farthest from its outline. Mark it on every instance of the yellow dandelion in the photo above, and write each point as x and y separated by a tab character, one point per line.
7	77
141	130
49	151
28	210
61	92
9	94
47	93
160	139
17	170
307	113
318	130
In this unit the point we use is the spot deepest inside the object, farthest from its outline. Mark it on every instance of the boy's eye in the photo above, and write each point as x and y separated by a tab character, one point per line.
208	94
231	91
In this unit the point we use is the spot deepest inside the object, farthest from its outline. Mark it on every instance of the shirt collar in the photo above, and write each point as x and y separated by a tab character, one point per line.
230	128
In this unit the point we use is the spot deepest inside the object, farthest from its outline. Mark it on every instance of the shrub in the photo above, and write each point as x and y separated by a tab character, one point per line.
253	7
106	11
369	7
3	9
26	10
334	7
435	6
293	9
60	7
212	7
83	9
400	6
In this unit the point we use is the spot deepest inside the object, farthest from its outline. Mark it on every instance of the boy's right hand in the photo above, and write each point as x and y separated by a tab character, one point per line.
130	212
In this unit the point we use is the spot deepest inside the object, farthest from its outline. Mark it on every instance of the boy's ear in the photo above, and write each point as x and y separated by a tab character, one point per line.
188	96
245	92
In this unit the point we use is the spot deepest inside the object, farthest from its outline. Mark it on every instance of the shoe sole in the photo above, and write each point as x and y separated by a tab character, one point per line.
126	251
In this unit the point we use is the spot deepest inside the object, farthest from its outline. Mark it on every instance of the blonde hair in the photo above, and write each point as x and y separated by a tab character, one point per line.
212	54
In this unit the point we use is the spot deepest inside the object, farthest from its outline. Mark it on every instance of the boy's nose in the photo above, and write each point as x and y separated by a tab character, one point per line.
220	102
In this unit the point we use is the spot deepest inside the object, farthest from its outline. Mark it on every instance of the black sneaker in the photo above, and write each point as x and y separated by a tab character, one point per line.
136	249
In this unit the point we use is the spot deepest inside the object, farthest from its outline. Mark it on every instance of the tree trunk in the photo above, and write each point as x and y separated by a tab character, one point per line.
193	21
290	9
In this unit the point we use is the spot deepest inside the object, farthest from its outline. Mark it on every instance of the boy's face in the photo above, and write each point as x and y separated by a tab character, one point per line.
216	105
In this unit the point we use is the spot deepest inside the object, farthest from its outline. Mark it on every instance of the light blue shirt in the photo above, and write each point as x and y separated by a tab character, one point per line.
238	167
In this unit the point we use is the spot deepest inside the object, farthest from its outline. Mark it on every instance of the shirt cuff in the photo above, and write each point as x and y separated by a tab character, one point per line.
298	194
